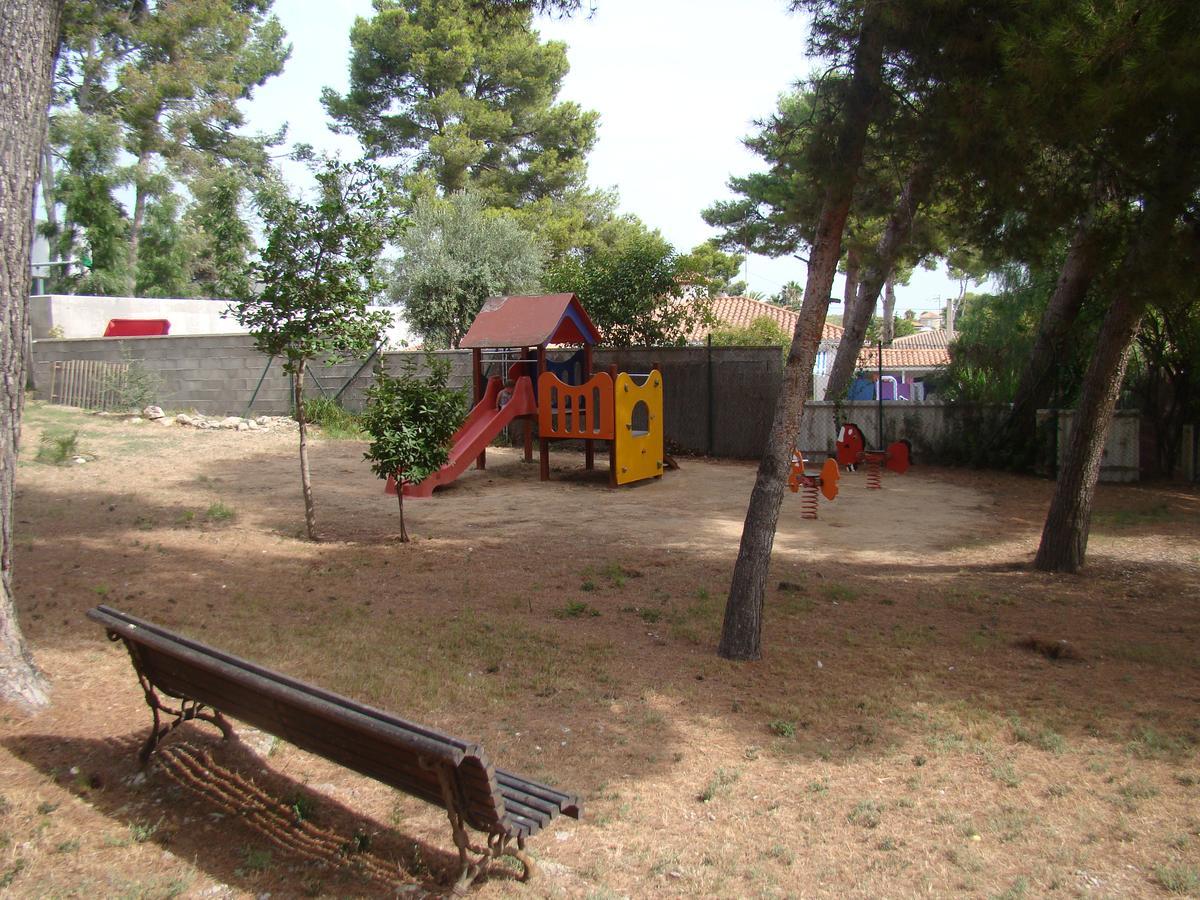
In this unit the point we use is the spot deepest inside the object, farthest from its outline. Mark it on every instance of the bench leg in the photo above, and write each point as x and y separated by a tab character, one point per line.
501	845
188	709
497	844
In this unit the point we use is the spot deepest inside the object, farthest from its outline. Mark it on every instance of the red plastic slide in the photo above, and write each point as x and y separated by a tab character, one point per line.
484	423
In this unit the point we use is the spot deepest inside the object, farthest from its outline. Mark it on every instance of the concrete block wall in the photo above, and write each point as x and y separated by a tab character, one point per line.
719	402
211	374
217	374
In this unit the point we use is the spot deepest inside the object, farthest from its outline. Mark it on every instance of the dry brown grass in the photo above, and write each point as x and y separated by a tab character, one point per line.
896	739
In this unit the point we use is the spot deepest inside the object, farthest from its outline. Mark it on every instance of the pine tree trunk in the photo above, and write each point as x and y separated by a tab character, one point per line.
888	332
1037	377
47	184
310	515
891	242
741	632
1065	534
28	37
141	174
850	292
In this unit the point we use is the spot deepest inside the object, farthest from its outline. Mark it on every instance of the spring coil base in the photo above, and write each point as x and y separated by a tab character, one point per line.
808	500
874	482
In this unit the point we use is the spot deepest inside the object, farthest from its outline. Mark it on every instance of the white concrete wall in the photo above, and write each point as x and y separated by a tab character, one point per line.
87	317
1122	448
81	316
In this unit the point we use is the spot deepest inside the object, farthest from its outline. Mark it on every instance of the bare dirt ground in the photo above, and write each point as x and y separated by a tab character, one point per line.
895	740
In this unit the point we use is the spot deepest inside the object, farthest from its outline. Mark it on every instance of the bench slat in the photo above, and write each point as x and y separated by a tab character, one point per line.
365	753
108	616
567	804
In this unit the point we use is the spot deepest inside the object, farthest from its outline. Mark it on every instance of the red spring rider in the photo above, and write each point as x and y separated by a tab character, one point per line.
826	481
851	451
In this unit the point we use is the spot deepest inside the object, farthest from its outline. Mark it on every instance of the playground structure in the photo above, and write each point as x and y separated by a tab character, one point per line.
825	481
852	451
567	400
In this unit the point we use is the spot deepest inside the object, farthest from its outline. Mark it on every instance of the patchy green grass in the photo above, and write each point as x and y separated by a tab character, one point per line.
576	609
335	422
1149	743
839	593
219	512
1152	654
1151	514
783	728
141	832
867	813
254	861
719	784
1181	879
1043	738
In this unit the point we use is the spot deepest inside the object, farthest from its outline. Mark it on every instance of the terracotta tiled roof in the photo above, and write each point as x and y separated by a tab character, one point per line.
938	339
904	358
740	312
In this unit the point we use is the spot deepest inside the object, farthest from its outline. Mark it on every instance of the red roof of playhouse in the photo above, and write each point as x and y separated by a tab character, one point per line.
525	321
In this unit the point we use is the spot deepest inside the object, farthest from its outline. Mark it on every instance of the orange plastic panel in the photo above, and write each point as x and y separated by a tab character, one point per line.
584	412
830	473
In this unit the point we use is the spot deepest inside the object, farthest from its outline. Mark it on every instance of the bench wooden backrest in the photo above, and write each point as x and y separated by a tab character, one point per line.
396	752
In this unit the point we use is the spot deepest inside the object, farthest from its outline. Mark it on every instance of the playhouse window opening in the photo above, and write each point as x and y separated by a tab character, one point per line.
640	419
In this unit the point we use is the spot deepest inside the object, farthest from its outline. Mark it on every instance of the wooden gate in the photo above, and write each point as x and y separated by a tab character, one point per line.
88	383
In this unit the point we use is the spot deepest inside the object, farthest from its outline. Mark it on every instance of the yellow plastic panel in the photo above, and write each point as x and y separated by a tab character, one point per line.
639	454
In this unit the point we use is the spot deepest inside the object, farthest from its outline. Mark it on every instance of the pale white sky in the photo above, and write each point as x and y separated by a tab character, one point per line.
677	84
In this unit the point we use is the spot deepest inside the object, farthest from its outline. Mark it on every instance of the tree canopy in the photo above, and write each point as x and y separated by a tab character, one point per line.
464	98
411	421
632	292
147	98
454	255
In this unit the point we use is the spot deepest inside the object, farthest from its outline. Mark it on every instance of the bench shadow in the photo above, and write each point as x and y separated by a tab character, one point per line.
214	803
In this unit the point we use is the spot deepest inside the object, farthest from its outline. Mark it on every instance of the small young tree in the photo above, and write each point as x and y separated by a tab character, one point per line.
411	421
318	272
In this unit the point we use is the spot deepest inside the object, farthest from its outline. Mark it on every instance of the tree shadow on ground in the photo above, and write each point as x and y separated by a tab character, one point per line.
461	630
275	834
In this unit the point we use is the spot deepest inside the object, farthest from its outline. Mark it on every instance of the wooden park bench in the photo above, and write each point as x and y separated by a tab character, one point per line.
445	771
